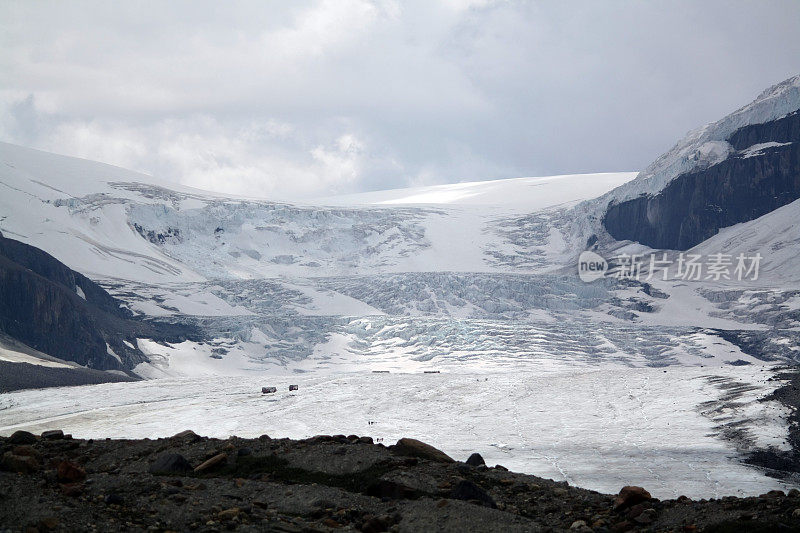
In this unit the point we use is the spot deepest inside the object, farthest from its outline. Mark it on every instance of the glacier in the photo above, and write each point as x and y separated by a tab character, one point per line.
599	384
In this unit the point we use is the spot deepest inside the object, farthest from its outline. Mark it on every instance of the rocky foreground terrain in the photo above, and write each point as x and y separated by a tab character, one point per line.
53	482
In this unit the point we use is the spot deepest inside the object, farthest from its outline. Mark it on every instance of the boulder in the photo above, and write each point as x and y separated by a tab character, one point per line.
630	496
53	434
475	460
170	463
22	437
415	448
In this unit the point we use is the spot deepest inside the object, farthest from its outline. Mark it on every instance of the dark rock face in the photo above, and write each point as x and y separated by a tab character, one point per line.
476	459
696	205
40	306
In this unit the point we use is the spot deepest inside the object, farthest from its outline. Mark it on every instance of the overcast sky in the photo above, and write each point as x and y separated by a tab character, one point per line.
309	98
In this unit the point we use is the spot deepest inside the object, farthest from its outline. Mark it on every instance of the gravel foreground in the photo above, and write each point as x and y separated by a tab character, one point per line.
327	483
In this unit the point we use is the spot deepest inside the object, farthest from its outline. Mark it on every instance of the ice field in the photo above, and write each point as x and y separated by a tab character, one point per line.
599	428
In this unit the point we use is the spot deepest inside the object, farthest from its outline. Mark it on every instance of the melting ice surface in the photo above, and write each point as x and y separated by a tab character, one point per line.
599	428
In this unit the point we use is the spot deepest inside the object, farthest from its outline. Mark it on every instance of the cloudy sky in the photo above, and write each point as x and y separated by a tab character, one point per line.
308	98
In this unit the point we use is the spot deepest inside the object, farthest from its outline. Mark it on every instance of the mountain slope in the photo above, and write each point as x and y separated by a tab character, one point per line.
730	171
55	310
759	175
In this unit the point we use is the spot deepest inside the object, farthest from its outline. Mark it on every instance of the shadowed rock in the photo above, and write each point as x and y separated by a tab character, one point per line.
69	472
469	491
170	463
416	448
22	437
476	459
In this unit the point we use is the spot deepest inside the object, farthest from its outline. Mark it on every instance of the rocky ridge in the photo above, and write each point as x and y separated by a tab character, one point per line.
53	482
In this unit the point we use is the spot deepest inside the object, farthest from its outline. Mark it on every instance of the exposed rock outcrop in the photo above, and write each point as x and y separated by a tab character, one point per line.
49	307
761	174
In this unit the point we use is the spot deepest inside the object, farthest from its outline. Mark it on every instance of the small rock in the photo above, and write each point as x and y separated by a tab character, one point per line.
330	522
366	440
322	503
475	460
187	435
243	452
212	463
48	523
229	514
170	463
415	448
69	472
374	525
22	437
630	496
27	451
581	526
467	490
53	434
648	516
796	513
18	463
114	499
793	493
384	488
72	490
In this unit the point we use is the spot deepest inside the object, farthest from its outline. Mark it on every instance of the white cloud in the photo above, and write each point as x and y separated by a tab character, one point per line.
203	153
315	96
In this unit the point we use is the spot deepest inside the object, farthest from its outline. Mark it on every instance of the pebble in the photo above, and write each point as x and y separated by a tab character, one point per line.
212	463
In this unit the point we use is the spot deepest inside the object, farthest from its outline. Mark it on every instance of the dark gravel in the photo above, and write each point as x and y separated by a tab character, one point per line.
326	483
